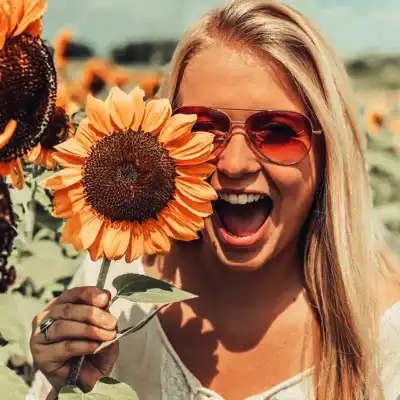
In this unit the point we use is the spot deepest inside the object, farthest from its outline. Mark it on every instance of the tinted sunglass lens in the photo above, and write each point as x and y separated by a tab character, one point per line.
284	138
209	120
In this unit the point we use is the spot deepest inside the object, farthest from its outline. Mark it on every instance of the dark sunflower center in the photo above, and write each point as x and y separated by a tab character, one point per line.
97	85
7	232
27	92
57	130
129	176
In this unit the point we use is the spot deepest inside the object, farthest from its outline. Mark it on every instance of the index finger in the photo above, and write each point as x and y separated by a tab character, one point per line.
90	295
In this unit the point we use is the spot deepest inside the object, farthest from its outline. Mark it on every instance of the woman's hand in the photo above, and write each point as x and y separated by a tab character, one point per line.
81	325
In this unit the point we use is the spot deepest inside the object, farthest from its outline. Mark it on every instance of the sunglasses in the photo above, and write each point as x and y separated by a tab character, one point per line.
280	137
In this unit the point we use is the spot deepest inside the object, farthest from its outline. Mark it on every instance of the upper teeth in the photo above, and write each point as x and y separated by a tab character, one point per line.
243	198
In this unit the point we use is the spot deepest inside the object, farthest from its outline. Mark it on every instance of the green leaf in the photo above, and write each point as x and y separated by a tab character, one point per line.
130	330
12	387
45	265
16	313
143	289
105	389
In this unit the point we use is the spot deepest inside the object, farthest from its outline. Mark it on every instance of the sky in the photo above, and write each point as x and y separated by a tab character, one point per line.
355	27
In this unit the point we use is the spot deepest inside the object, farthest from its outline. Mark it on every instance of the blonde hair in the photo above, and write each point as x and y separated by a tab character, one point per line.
343	258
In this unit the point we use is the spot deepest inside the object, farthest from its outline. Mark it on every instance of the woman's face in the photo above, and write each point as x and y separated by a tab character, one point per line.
247	236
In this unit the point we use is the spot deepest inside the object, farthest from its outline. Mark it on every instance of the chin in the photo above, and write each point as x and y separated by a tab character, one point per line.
236	258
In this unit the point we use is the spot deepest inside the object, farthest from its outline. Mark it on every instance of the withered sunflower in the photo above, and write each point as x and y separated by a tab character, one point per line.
60	128
134	177
27	82
7	235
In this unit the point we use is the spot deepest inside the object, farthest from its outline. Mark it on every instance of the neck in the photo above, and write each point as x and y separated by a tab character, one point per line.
227	296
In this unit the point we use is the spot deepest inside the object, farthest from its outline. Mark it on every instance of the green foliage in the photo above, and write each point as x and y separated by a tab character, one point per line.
384	168
17	312
105	389
12	386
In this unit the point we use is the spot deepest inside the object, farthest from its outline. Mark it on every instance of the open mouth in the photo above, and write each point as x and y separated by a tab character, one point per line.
242	215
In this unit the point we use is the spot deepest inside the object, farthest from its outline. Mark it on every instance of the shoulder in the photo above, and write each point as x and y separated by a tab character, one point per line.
389	344
388	294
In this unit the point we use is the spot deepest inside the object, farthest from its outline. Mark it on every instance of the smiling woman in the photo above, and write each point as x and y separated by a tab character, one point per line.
298	297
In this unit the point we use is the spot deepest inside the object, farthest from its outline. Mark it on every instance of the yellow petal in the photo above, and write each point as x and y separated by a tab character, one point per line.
198	147
98	115
135	249
194	221
70	230
72	147
178	127
175	227
200	209
15	11
195	189
68	201
8	133
35	28
17	174
34	13
156	114
3	26
89	231
155	239
49	161
117	240
33	154
62	179
96	250
137	96
85	135
201	171
121	108
67	160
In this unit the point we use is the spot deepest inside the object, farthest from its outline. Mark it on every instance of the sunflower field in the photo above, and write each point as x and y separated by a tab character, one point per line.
43	93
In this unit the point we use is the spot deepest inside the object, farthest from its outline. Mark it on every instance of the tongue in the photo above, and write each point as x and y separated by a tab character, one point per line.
243	220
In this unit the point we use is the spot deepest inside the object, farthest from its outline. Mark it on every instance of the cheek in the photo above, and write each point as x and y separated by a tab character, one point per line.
295	186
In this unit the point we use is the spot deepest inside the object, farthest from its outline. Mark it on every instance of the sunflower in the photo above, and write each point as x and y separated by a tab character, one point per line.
27	83
151	85
7	235
61	47
375	121
120	77
133	179
95	75
60	128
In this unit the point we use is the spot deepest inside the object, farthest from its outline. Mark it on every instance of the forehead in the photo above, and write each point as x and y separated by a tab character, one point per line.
225	77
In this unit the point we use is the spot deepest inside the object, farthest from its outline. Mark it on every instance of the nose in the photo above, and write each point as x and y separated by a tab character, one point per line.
238	159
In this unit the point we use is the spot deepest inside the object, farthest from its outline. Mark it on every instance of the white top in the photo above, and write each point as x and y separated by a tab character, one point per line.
149	364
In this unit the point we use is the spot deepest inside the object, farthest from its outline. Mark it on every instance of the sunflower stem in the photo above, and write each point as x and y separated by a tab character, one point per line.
30	215
76	366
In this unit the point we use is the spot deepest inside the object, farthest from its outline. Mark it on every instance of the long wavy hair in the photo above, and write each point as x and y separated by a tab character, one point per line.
345	257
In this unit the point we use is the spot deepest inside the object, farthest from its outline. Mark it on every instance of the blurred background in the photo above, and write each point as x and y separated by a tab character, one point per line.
102	43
